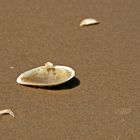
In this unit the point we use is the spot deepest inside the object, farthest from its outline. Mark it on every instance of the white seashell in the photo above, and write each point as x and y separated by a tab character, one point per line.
47	75
88	21
7	111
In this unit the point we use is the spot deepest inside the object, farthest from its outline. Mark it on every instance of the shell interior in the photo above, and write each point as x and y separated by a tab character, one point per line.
42	76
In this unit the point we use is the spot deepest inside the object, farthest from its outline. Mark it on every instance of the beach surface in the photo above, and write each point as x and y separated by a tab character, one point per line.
103	101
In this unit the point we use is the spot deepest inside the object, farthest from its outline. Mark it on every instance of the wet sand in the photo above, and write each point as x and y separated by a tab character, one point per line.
103	101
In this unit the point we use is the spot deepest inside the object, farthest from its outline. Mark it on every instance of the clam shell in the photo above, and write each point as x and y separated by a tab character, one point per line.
88	21
46	76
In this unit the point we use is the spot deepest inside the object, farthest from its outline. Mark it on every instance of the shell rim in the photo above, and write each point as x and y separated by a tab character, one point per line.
19	81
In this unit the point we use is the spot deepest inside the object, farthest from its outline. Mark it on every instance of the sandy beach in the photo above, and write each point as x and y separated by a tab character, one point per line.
103	101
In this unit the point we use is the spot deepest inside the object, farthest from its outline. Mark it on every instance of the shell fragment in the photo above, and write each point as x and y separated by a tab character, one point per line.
48	75
7	111
88	21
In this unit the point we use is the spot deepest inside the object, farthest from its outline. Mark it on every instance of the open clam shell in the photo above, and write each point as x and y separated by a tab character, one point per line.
47	75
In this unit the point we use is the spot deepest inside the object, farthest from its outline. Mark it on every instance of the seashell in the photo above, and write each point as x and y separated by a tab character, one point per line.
88	21
7	111
48	75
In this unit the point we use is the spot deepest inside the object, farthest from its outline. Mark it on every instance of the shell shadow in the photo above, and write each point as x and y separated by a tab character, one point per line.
74	82
95	24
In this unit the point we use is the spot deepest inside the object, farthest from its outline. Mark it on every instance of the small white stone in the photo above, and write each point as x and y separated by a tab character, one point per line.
88	21
12	67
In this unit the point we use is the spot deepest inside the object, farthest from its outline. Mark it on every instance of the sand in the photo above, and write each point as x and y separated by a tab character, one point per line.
103	101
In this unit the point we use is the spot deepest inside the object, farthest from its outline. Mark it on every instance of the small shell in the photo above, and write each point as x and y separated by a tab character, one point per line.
7	111
88	21
47	75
